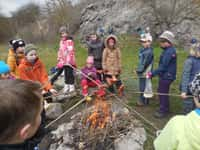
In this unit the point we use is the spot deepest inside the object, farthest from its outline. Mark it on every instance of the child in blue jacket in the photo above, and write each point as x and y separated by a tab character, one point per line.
166	71
191	68
145	65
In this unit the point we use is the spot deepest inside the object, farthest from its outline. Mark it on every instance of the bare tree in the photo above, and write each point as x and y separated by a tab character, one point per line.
170	13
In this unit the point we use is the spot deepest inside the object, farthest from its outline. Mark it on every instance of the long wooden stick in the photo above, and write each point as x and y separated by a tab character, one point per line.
66	112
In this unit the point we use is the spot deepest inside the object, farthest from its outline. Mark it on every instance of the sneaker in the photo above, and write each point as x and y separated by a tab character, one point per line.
71	88
160	115
66	88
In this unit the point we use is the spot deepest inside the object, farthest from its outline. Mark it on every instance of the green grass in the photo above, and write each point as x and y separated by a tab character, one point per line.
129	47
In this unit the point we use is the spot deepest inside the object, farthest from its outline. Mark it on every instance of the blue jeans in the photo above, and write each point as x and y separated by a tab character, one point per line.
142	85
188	105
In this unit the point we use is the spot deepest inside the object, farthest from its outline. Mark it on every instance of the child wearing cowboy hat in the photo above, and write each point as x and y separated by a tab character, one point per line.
166	71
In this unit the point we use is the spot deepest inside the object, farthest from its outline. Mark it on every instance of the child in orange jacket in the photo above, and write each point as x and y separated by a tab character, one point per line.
31	68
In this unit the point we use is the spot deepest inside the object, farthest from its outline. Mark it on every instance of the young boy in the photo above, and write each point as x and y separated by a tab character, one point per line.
90	71
15	55
183	132
145	65
166	71
112	64
5	71
95	49
191	68
33	69
20	114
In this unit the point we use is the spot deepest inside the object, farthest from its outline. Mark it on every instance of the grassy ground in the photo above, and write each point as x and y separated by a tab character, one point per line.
129	47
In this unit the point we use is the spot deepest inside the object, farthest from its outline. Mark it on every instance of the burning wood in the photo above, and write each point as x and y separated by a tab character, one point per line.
100	116
99	127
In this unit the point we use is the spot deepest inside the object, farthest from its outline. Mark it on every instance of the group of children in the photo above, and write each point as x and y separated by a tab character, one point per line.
103	65
102	70
166	71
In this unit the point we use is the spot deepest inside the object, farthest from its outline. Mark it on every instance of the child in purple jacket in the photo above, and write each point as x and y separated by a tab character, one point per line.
89	78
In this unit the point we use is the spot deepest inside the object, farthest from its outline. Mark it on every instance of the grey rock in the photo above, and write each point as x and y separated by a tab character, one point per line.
53	110
125	16
134	140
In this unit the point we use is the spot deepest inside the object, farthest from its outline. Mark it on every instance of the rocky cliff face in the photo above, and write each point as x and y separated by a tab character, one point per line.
125	16
120	14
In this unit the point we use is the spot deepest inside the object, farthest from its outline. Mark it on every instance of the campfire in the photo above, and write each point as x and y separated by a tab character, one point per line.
100	116
98	127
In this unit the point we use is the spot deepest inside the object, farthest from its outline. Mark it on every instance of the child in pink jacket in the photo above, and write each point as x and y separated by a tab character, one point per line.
89	78
66	59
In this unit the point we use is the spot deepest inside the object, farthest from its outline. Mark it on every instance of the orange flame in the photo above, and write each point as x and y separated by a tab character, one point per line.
100	116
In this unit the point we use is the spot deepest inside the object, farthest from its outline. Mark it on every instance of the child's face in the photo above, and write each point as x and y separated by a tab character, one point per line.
20	50
164	43
5	76
89	65
32	56
64	35
146	44
111	43
93	37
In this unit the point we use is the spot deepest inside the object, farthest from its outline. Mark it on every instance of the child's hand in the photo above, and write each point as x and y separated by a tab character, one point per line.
43	92
183	95
149	75
53	91
59	65
105	71
119	71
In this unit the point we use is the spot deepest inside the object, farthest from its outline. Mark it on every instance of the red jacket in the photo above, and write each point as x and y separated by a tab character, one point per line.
34	72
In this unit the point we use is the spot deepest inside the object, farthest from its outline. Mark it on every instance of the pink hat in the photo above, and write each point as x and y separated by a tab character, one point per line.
90	60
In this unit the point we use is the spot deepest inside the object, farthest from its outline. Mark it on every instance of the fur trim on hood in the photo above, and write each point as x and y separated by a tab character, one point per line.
109	37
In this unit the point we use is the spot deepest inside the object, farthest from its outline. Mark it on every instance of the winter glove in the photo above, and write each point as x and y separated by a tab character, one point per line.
59	65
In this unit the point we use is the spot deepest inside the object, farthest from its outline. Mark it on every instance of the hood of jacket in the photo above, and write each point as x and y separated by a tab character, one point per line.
109	37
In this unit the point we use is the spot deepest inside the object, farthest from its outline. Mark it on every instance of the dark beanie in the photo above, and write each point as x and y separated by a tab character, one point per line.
17	43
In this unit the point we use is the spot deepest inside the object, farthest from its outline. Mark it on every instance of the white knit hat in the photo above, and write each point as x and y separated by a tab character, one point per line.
169	36
146	37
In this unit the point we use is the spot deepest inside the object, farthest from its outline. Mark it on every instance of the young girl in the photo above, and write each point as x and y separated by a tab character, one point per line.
66	59
95	49
145	65
31	68
112	64
90	71
166	71
15	55
5	71
191	68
